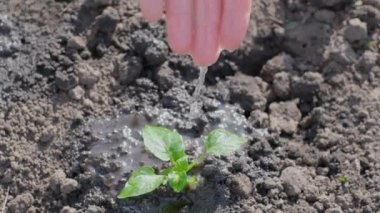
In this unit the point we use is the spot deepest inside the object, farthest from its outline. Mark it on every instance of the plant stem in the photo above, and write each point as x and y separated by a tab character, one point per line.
198	161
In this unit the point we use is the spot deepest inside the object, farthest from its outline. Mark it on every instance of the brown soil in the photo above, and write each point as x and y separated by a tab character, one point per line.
77	76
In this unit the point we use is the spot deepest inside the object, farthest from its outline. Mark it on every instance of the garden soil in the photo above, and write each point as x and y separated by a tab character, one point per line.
79	78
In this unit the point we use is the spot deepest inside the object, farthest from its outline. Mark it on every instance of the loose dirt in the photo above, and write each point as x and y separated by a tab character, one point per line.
78	79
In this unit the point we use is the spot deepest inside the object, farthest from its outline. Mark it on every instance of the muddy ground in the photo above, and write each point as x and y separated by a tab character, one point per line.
78	78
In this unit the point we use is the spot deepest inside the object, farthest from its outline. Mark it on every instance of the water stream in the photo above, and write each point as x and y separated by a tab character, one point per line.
195	106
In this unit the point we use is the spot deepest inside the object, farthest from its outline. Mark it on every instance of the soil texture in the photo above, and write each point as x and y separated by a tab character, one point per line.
79	78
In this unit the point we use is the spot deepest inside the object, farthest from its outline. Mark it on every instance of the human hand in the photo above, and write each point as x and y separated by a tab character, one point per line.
201	28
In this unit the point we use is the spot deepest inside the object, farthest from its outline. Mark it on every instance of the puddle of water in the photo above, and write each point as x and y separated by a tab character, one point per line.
228	117
119	140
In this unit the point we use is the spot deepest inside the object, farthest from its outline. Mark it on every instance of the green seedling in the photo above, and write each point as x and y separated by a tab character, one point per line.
342	179
371	44
168	145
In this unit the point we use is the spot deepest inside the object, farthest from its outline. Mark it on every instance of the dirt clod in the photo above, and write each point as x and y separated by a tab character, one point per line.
165	77
68	209
270	183
296	181
95	209
47	135
57	179
280	63
9	40
307	86
127	70
21	203
241	185
367	61
155	54
249	92
176	98
356	30
77	93
259	119
69	185
76	43
284	116
87	75
281	84
65	81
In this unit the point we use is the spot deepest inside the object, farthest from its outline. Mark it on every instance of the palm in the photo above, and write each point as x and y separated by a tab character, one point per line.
201	27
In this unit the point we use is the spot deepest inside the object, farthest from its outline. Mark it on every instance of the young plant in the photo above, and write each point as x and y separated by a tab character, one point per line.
168	145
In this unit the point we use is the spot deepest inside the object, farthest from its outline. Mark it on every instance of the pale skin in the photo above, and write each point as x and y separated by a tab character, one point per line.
201	28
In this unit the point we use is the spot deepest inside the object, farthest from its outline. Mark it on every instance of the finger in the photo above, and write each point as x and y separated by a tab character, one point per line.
205	49
179	16
234	22
152	9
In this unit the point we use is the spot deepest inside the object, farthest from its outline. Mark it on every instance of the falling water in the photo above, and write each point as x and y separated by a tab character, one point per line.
194	106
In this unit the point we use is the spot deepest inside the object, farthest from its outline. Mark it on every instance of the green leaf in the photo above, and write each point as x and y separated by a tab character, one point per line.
223	142
163	143
343	179
177	180
181	164
167	171
192	181
177	174
143	180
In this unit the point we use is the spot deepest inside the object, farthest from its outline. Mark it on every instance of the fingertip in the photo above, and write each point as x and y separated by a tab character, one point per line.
205	60
205	49
179	15
230	46
151	18
152	9
178	48
235	23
